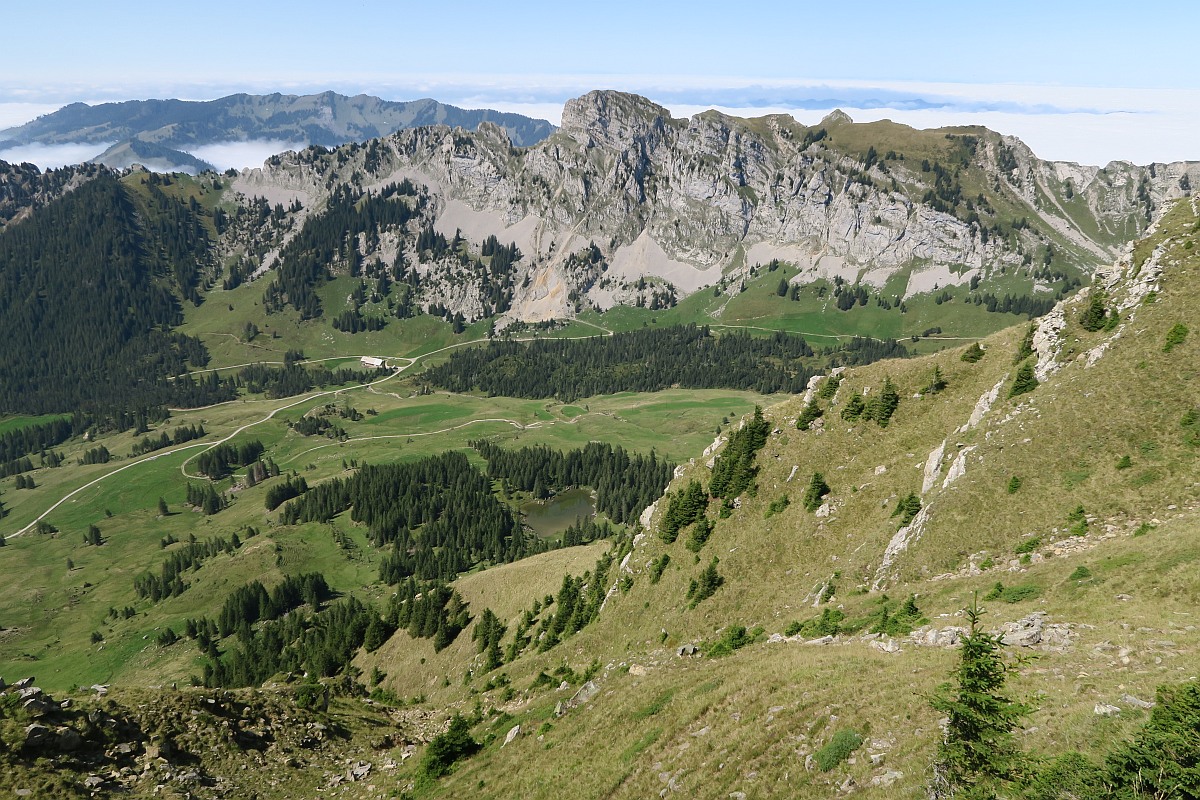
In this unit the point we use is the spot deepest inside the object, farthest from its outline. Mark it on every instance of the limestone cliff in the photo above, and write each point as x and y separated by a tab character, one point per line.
696	202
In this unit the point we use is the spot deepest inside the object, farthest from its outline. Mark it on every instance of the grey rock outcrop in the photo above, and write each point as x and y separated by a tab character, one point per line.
696	201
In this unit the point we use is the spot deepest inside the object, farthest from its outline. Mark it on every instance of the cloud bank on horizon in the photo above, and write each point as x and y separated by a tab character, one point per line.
1088	125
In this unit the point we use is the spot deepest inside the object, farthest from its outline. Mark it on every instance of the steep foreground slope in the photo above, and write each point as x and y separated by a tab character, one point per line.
1093	545
1085	561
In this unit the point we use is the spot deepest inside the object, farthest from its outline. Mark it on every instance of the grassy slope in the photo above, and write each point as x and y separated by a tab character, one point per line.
1134	398
709	725
55	609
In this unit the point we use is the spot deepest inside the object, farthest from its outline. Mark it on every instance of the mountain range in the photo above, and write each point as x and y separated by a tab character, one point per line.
162	133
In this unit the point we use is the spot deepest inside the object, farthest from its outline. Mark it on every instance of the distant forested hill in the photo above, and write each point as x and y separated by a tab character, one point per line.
90	285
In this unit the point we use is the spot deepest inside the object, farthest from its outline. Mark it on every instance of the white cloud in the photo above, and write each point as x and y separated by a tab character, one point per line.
224	155
1091	125
14	114
52	156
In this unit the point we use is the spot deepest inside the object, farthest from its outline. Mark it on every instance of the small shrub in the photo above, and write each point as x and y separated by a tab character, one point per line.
987	563
1078	520
899	622
883	405
1014	483
704	586
828	624
699	535
937	382
1028	546
657	566
1024	382
777	505
829	388
810	414
735	637
1125	462
1025	348
1013	594
1081	573
854	408
1143	529
1095	315
907	509
1175	336
837	749
973	353
447	748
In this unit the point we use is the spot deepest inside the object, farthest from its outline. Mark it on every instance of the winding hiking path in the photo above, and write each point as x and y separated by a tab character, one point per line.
292	403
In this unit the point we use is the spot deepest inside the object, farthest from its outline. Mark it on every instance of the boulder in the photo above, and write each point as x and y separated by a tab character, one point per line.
585	693
686	650
1136	702
36	708
512	734
1106	710
887	778
1025	632
37	736
68	739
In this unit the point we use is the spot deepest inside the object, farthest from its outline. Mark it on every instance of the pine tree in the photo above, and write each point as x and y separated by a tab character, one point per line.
162	507
978	754
882	406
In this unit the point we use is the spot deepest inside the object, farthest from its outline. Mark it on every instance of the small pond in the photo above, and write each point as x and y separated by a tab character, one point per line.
551	517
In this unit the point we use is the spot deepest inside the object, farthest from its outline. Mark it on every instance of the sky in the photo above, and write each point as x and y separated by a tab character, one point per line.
1080	81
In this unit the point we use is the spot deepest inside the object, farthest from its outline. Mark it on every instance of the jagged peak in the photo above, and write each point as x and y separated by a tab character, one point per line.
609	116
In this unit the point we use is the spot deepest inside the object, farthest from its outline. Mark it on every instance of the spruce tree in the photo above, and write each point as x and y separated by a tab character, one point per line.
817	489
1094	316
978	754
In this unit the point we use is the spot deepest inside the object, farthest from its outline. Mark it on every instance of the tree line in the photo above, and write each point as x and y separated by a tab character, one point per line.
625	483
646	360
461	521
169	580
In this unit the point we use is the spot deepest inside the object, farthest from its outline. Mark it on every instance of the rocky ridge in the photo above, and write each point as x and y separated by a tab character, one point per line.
697	202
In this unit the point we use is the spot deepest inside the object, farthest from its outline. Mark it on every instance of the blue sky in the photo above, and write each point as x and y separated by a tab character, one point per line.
1081	81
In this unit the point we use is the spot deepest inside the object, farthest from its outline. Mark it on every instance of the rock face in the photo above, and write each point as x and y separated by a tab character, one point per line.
693	202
